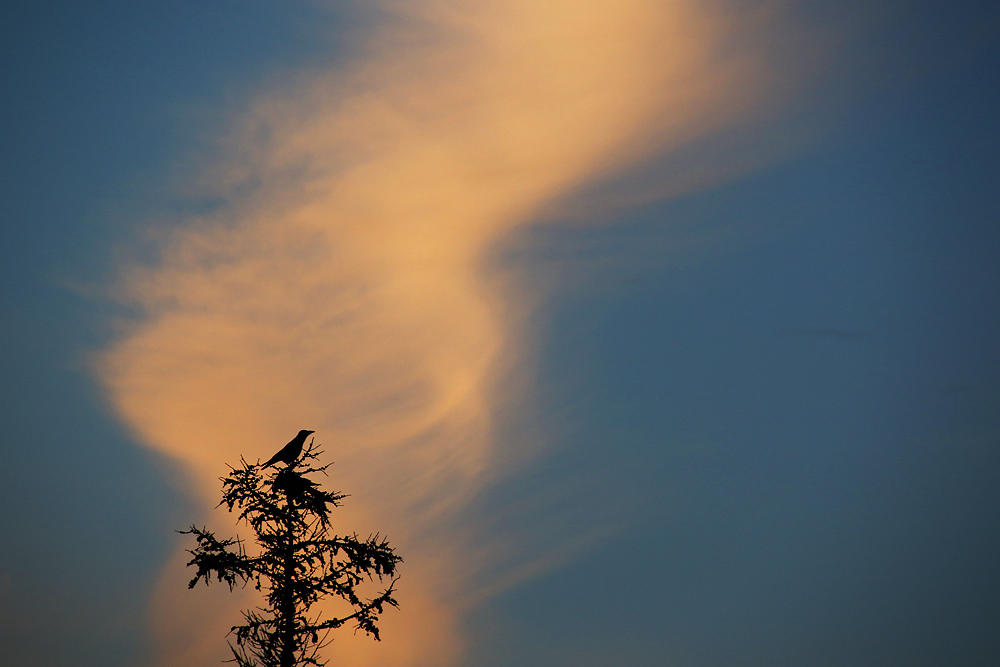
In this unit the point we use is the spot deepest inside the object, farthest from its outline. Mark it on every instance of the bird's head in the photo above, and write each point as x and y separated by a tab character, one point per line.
305	432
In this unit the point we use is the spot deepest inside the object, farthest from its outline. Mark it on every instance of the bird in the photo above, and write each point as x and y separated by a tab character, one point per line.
291	451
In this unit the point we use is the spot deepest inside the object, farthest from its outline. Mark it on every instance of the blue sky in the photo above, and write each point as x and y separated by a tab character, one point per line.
765	408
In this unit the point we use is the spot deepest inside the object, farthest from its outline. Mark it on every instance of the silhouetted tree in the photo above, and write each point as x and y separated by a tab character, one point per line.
299	563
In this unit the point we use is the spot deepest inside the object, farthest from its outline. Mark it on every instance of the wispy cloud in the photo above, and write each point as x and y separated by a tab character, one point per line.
343	287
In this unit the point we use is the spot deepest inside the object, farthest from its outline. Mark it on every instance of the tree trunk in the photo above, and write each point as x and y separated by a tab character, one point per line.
286	621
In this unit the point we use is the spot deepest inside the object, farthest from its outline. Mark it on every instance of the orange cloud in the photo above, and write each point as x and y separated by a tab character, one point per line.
345	291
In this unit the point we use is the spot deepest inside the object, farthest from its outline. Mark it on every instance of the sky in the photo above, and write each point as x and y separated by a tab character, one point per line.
650	333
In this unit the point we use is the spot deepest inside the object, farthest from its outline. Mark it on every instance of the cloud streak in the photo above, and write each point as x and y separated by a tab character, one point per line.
345	285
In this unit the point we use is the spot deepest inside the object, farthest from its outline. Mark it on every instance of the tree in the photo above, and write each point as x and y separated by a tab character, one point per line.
299	563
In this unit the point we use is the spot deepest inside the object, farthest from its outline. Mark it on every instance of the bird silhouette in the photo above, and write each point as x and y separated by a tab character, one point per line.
291	451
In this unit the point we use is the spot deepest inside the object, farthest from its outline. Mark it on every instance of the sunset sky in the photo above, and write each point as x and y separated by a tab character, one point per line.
652	333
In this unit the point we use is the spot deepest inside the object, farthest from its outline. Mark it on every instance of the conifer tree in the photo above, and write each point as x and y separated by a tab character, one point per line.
298	562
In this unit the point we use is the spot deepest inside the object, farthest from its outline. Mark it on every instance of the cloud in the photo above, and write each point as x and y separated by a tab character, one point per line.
345	285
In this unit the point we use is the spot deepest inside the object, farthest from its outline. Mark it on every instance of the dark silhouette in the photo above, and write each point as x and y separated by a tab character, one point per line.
291	451
298	563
